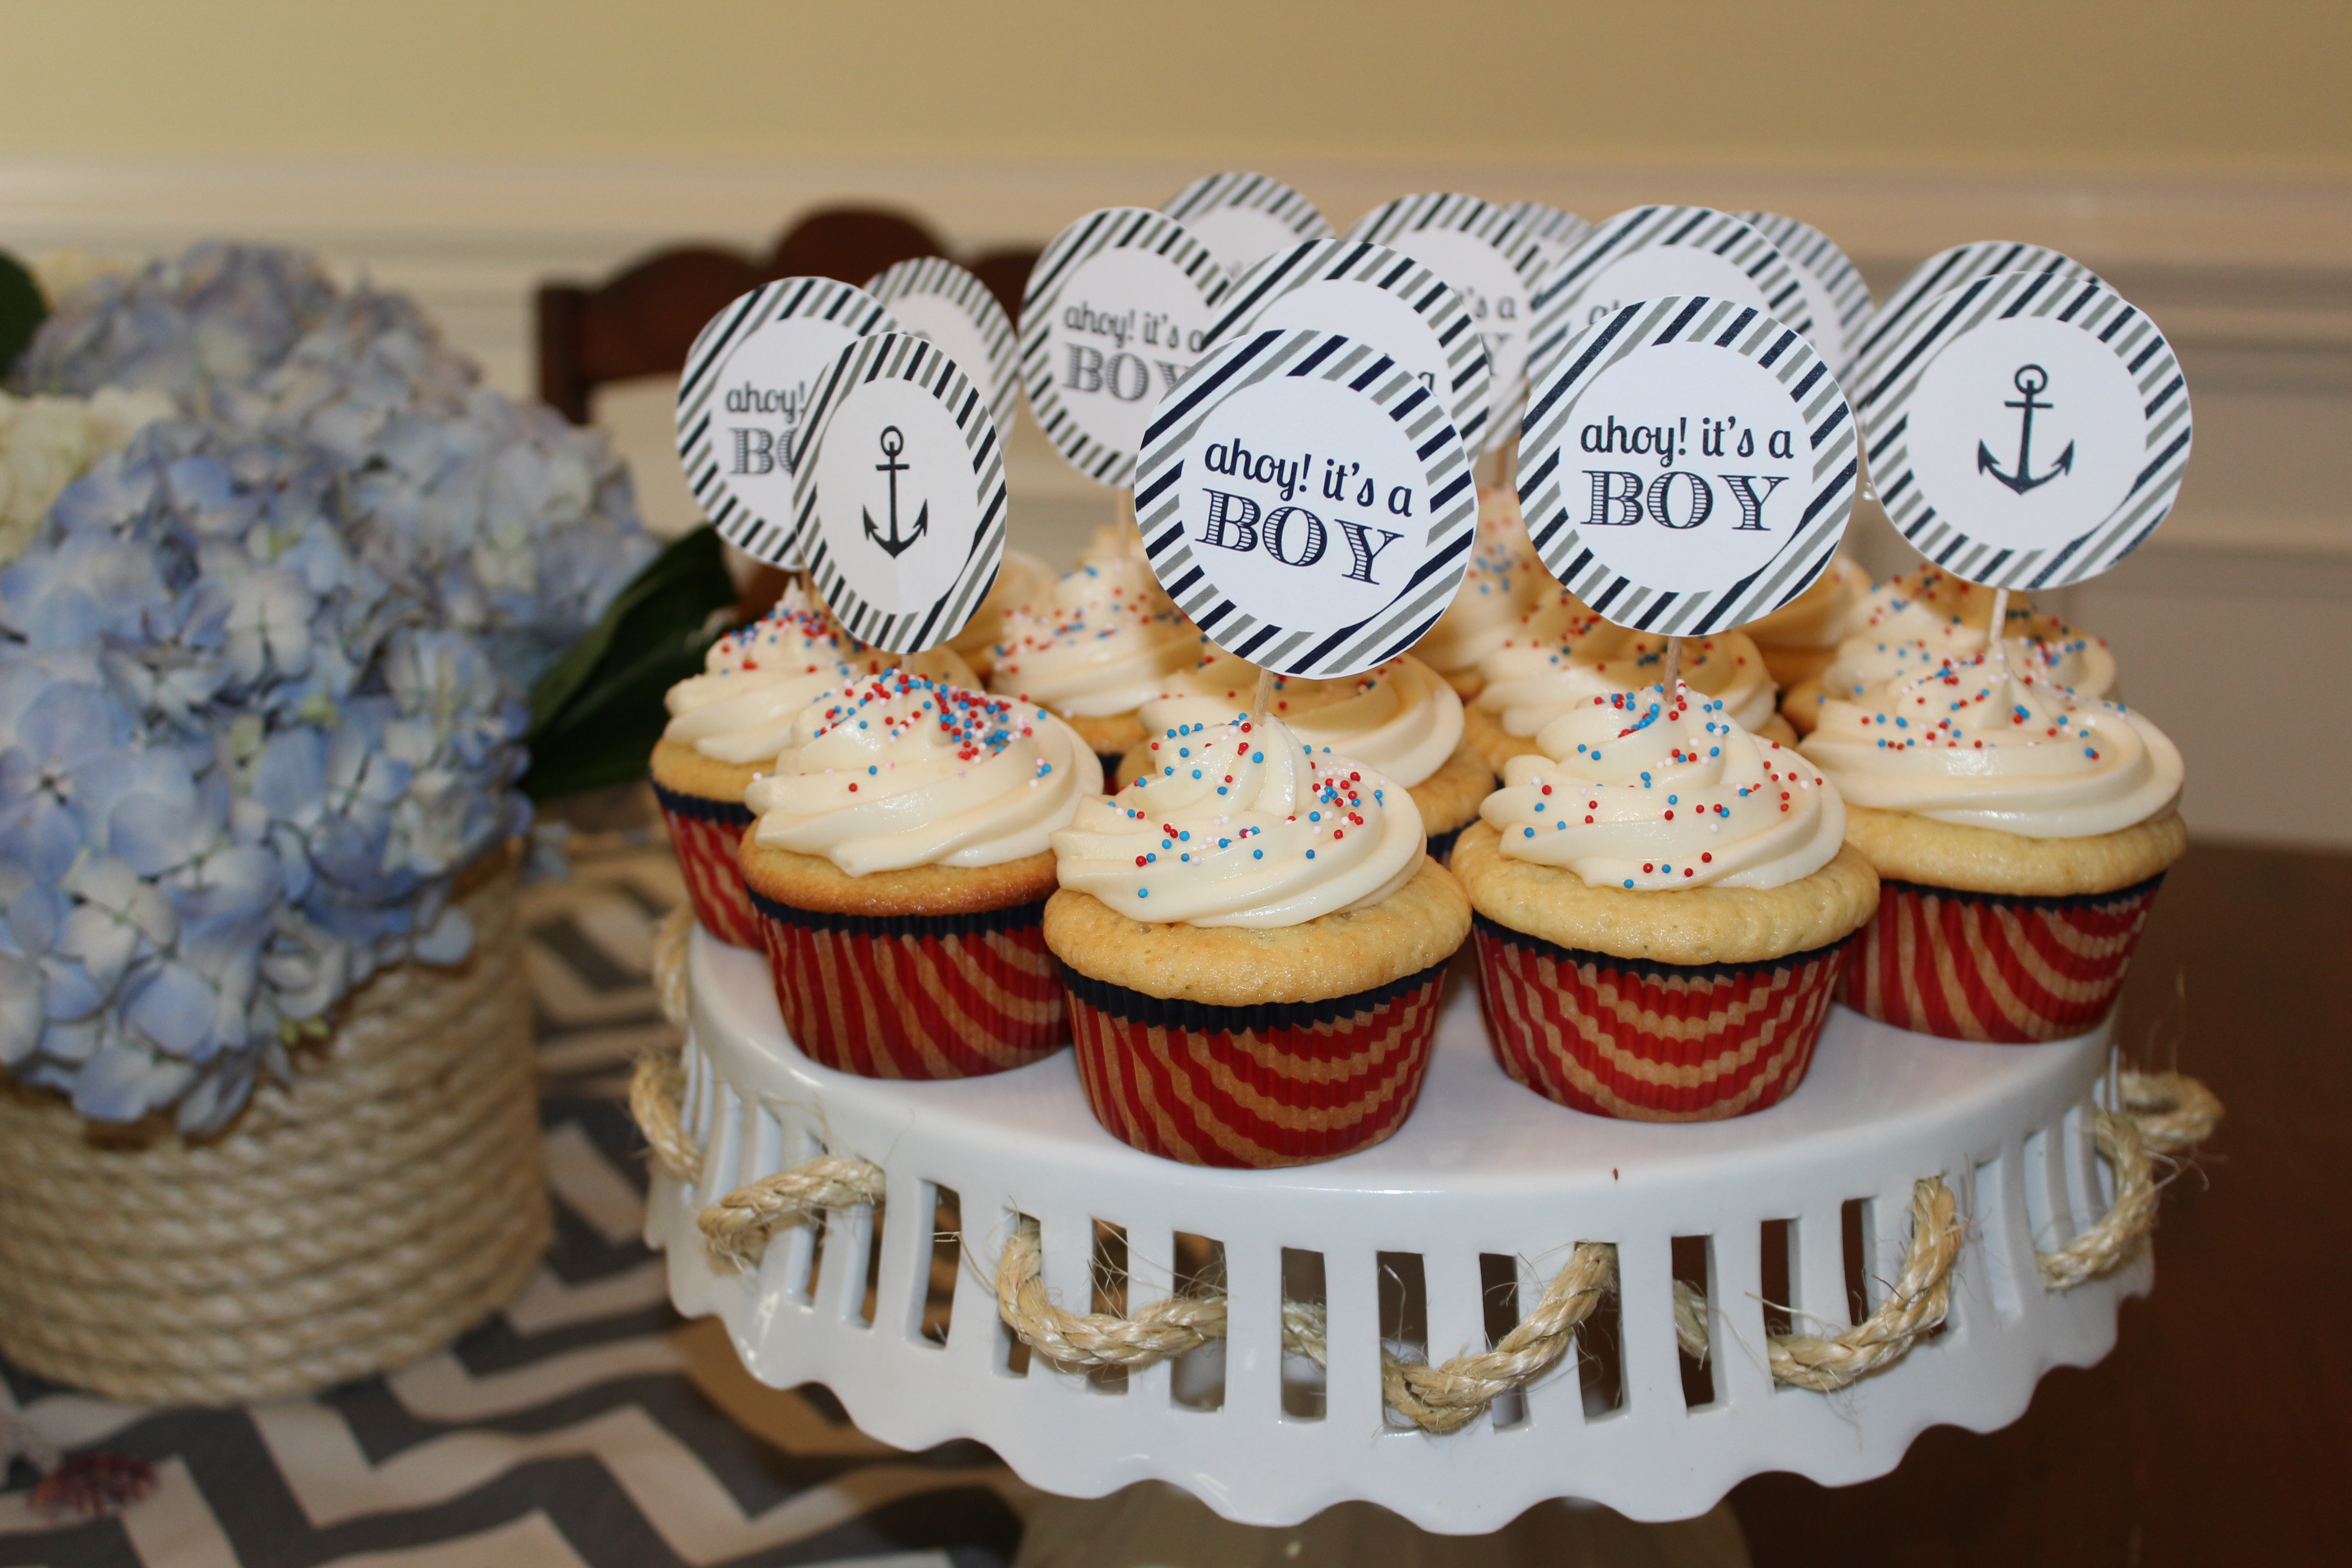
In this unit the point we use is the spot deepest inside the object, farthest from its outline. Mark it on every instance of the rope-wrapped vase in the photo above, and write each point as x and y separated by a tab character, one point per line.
389	1199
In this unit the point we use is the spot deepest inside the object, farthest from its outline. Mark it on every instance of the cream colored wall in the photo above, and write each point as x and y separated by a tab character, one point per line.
2110	85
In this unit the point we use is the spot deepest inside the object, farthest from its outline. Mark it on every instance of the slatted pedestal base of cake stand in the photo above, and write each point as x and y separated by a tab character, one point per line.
1483	1168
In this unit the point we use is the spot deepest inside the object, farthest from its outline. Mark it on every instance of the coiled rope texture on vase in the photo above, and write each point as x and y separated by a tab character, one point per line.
2160	1114
386	1200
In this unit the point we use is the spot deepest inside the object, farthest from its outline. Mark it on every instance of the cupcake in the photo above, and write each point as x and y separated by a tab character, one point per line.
1563	656
1912	624
728	723
1663	903
1506	582
1800	638
1402	720
1101	642
2020	833
1020	579
899	871
1254	950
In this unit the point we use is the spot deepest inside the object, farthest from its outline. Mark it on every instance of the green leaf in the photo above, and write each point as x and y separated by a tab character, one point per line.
597	712
22	310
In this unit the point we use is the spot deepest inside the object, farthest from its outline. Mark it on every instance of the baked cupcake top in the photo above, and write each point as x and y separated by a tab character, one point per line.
1635	790
2003	747
1019	579
757	679
896	770
1822	615
1504	584
1103	640
1911	625
1251	827
1563	656
1401	719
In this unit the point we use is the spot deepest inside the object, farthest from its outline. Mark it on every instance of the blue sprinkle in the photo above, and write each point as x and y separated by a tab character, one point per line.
1673	800
1186	836
1183	751
1258	756
1629	881
1221	789
1314	817
1310	854
1714	751
1196	772
1257	854
1145	892
873	770
1530	832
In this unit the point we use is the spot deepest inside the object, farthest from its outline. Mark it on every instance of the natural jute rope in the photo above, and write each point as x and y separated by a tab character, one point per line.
388	1199
2160	1110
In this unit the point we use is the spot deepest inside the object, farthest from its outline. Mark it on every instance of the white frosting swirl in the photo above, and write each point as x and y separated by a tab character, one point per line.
1565	655
1506	582
1020	578
1820	616
1911	625
1252	828
898	770
1630	792
2004	748
1106	640
757	679
1401	718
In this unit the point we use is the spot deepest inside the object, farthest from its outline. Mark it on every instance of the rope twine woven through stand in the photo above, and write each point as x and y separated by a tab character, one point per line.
2159	1114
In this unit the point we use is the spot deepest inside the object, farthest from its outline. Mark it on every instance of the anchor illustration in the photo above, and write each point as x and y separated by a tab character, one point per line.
2029	379
893	443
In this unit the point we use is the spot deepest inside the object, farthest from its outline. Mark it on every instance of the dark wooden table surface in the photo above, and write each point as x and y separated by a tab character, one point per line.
2219	1430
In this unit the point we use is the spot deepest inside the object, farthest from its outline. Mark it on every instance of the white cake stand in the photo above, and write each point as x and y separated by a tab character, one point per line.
1483	1167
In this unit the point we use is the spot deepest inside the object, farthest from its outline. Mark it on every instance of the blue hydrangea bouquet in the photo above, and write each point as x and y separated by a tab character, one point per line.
267	676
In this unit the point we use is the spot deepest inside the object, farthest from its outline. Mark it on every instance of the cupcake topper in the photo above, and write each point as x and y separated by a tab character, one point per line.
1244	217
1491	260
1648	253
743	399
2029	431
899	492
1374	295
1555	230
1842	302
1939	274
1306	502
1687	466
936	299
1117	309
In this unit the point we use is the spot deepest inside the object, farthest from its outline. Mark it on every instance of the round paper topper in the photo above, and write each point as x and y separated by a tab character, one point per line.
1116	311
1842	299
744	400
1556	230
935	299
2029	431
900	493
1245	217
1492	261
1687	466
1648	253
1374	295
1305	500
1939	274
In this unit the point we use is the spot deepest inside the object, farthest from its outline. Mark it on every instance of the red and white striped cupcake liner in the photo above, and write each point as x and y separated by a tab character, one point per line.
915	997
1652	1042
705	835
1984	966
1256	1087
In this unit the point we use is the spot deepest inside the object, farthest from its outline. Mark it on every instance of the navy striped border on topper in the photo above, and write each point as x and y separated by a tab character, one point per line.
936	276
1433	299
1843	295
902	356
2090	306
1316	652
1940	274
1132	228
1820	403
1788	295
1260	193
766	539
1554	226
